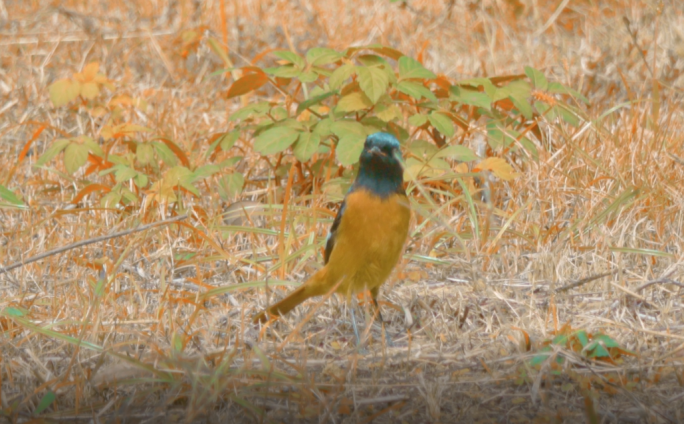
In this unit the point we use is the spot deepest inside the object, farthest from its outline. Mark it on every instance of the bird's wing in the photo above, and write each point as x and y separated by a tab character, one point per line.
330	241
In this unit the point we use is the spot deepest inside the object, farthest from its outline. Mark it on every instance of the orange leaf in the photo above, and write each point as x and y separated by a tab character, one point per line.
177	151
27	146
247	83
90	70
498	166
89	189
259	56
421	53
528	344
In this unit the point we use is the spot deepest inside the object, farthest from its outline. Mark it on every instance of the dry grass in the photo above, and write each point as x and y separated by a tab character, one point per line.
167	336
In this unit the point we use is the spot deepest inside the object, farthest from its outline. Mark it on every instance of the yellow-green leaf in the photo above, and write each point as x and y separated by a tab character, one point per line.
442	123
52	151
64	91
233	183
340	75
318	56
11	201
353	102
90	90
306	146
144	153
457	152
373	81
275	140
75	156
411	68
416	90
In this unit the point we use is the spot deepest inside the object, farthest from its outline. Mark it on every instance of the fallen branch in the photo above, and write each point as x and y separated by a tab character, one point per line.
90	241
584	281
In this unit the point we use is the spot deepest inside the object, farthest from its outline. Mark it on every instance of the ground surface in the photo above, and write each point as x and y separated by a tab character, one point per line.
467	317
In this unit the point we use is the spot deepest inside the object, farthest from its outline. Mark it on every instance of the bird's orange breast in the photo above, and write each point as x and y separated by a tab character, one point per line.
369	241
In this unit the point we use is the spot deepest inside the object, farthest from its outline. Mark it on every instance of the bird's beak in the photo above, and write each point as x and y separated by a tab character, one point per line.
375	151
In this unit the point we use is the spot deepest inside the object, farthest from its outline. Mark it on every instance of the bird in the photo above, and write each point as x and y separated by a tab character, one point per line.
367	237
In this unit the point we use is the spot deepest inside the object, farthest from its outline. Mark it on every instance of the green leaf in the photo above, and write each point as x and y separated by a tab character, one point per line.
568	115
518	89
165	153
314	101
64	91
52	151
373	81
556	87
318	56
275	140
560	340
287	71
442	123
123	173
527	145
597	351
306	146
418	120
485	83
247	111
110	199
374	61
230	162
411	68
205	171
353	102
349	148
607	340
351	135
75	156
141	180
144	153
227	140
423	149
538	79
308	76
583	338
523	106
340	75
540	359
416	90
471	97
14	311
13	202
457	152
346	126
177	342
233	183
495	137
388	113
291	57
45	402
323	128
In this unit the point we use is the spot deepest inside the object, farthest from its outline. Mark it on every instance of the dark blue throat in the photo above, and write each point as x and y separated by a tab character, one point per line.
381	179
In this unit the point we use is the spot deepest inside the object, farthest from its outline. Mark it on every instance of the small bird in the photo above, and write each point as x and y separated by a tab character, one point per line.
367	236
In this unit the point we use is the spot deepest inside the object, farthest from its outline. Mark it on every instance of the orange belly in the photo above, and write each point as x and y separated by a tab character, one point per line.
369	241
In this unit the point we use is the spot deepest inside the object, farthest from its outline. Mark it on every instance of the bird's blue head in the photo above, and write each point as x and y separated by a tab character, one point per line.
380	169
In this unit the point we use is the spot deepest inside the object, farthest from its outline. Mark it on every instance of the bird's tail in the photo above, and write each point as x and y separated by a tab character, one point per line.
309	289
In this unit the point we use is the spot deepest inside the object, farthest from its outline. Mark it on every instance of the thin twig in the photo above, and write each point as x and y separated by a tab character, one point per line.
659	281
90	241
633	34
584	281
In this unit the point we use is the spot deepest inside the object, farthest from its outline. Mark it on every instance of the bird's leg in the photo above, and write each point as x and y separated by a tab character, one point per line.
356	330
388	339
